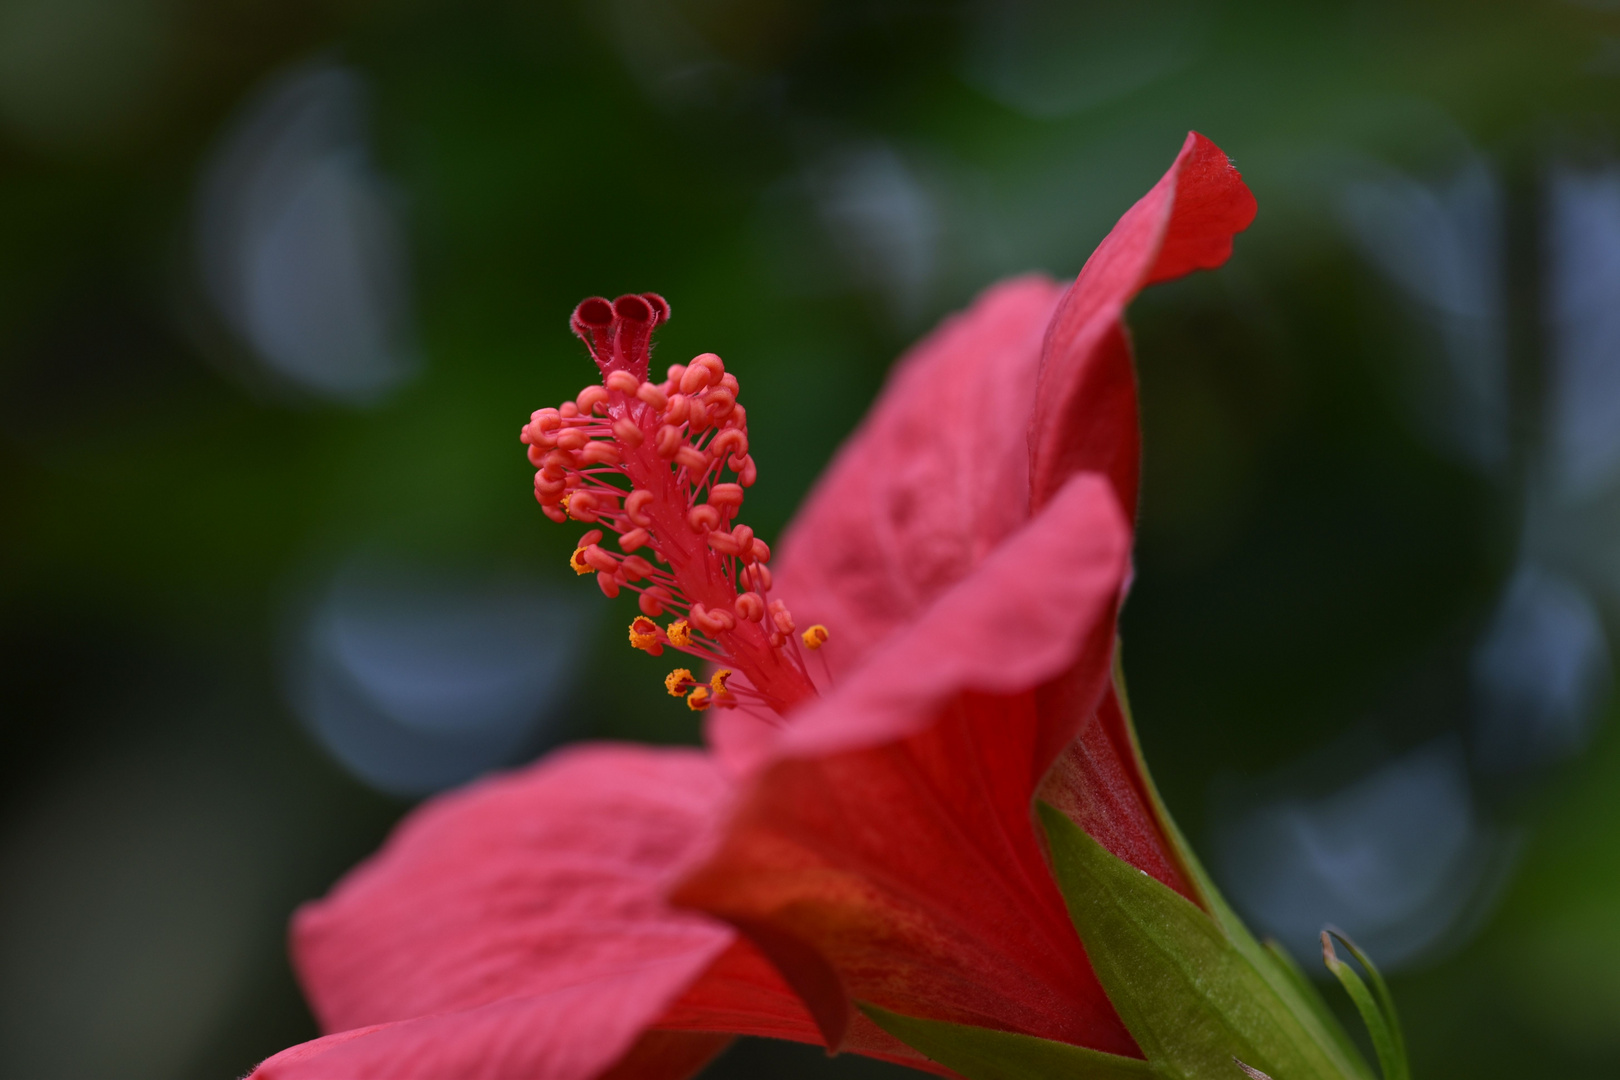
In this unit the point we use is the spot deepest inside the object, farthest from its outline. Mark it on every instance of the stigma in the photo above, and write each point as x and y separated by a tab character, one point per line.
665	467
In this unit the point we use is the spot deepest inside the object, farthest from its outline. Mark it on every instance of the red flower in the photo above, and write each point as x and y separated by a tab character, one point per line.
861	828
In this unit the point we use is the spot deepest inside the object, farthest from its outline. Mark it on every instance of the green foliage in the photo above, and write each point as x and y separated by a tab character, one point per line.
1191	998
1376	1006
984	1054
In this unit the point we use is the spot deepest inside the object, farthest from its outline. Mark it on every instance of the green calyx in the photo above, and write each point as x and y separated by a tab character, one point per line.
1198	998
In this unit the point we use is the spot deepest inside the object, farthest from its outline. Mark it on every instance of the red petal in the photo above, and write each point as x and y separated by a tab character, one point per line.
933	479
518	927
1085	407
888	852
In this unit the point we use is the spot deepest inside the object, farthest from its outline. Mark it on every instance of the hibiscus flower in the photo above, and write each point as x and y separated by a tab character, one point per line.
929	654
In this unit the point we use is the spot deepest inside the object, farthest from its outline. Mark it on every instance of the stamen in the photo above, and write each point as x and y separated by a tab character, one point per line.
644	635
648	461
815	637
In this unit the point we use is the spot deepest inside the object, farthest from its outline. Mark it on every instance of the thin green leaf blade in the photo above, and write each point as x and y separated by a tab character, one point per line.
1386	1000
1189	997
984	1054
1391	1059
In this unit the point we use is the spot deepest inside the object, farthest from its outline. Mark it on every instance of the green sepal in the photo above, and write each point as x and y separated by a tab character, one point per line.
1191	998
985	1054
1378	1014
1275	966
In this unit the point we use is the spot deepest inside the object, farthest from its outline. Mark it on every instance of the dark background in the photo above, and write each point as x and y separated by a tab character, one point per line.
279	281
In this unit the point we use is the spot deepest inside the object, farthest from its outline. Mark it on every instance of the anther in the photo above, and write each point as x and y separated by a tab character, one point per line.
644	635
577	561
680	407
627	432
669	441
781	617
730	495
748	473
703	518
634	539
722	694
600	560
600	452
815	637
590	397
653	396
730	441
622	381
678	682
698	699
679	633
634	567
652	600
635	508
750	606
609	585
573	438
692	458
756	577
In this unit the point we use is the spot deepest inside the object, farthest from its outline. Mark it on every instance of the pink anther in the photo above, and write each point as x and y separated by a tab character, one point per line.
720	402
723	542
750	606
599	452
634	538
703	518
635	508
652	601
781	617
730	441
535	454
552	510
692	458
673	373
697	416
609	586
668	441
653	396
596	558
743	536
568	410
727	495
543	486
757	577
748	473
592	537
627	432
572	439
634	567
704	370
762	551
621	381
589	398
711	622
582	506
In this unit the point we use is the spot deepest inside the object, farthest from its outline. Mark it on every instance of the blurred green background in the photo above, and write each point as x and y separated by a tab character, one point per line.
279	282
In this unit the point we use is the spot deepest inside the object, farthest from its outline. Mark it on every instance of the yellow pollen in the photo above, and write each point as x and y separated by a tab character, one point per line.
577	561
698	699
644	633
679	682
679	633
718	682
815	637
